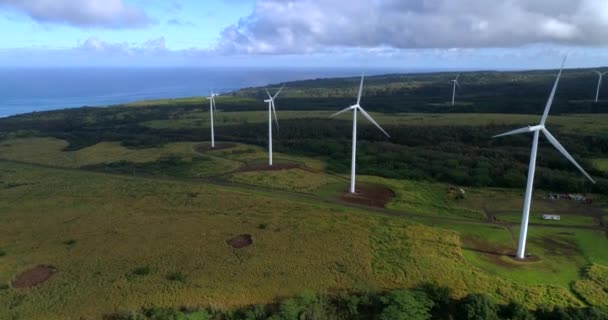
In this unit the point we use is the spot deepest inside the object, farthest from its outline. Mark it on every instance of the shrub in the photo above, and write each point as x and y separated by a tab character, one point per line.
263	226
176	276
441	297
477	307
305	306
2	253
70	242
516	311
406	305
141	271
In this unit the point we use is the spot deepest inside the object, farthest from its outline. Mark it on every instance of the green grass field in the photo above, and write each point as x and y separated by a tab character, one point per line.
119	224
128	228
596	124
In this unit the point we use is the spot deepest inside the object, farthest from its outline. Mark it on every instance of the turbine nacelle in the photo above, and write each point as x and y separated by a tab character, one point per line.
541	128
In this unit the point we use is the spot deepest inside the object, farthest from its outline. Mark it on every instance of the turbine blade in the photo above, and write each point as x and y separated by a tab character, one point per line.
360	90
213	102
365	114
598	73
512	132
552	96
274	111
278	92
268	93
340	112
561	149
458	85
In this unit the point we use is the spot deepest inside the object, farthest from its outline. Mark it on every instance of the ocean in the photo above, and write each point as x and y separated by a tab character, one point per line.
27	90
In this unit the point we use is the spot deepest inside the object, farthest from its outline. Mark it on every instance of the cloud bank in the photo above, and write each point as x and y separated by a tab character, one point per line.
304	26
81	13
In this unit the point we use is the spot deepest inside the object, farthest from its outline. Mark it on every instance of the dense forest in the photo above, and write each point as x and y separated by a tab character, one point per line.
479	92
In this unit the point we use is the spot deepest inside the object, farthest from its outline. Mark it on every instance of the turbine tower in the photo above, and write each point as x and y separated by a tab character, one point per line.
271	110
530	182
455	84
212	108
599	84
355	108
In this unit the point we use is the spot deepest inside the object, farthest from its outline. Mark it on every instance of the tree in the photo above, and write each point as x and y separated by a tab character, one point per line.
477	307
406	305
441	297
516	311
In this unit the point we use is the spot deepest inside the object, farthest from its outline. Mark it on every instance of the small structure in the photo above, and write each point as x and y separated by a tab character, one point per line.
456	192
567	196
551	217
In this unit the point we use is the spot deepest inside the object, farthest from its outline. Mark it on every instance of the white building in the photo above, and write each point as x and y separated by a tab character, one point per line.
551	217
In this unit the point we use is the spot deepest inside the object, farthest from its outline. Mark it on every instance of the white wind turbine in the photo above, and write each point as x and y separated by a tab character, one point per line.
355	108
599	84
271	110
455	84
212	108
536	130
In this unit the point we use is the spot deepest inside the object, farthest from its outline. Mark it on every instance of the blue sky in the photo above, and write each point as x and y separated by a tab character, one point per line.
404	34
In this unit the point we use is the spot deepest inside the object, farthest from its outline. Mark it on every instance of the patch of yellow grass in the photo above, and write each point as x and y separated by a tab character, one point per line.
123	223
297	180
49	151
594	286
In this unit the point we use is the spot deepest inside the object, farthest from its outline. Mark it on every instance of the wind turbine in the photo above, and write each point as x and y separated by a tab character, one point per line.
599	84
212	108
455	81
536	130
355	108
271	110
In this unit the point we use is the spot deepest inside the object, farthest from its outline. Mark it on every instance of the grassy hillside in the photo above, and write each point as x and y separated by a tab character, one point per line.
133	209
99	230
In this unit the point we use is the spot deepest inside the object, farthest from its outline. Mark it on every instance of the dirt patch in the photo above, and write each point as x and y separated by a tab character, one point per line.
240	241
34	277
265	167
528	259
206	147
500	255
372	195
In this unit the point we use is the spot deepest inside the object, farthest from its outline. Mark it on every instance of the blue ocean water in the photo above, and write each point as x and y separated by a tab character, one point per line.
27	90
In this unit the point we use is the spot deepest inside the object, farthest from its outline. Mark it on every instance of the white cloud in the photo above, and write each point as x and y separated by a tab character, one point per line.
301	26
149	47
81	13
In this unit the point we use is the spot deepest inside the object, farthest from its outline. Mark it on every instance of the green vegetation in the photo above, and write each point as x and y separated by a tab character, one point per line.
129	203
425	198
134	221
429	301
141	271
593	288
297	180
176	276
70	242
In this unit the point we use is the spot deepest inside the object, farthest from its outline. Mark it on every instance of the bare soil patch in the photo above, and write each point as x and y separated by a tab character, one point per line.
34	277
372	195
265	167
206	147
500	255
530	258
240	241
